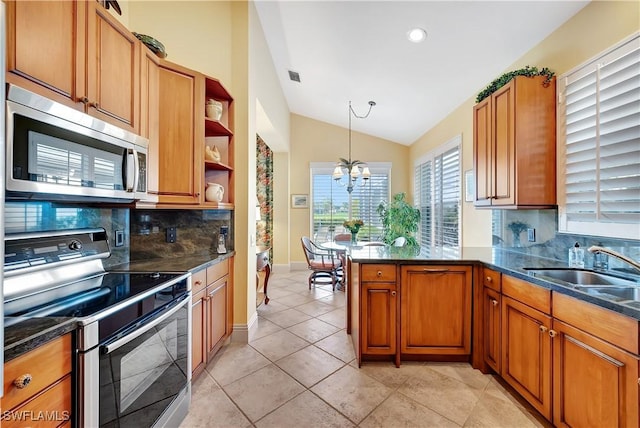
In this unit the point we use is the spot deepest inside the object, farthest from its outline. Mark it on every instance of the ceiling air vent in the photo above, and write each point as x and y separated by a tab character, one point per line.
294	75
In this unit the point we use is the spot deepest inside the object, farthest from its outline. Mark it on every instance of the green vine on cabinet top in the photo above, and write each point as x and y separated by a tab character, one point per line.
506	78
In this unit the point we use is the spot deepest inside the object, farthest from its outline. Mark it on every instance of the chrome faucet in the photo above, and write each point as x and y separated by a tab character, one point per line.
596	249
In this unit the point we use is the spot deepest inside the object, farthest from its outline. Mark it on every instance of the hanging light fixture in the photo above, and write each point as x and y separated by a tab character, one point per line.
351	168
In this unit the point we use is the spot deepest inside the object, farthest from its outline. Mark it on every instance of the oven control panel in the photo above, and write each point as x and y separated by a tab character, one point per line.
28	250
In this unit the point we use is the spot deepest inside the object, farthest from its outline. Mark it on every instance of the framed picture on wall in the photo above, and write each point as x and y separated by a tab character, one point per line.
300	201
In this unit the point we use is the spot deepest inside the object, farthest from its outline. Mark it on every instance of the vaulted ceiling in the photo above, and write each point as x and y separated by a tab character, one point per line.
359	51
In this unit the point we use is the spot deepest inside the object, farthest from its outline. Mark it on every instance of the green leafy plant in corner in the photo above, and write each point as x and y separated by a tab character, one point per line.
399	218
506	78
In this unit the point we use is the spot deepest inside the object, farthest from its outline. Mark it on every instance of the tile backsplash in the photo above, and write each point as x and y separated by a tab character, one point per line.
550	242
144	230
34	216
197	232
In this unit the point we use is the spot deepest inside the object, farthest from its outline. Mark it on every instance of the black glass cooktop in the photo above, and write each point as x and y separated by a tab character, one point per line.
101	294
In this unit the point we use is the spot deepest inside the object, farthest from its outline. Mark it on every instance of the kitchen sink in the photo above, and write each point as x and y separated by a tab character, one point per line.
616	294
583	277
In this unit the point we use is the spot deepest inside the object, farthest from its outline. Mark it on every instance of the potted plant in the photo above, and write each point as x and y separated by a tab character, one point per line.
506	78
399	219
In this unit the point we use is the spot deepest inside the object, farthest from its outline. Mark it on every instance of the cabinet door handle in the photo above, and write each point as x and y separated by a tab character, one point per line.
543	329
379	273
23	381
435	270
393	293
494	302
94	105
552	333
489	279
198	283
84	100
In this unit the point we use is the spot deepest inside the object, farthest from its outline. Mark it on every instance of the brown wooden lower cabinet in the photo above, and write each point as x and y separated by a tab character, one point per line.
198	329
579	368
378	317
49	391
411	311
211	313
595	384
526	353
435	310
491	325
217	312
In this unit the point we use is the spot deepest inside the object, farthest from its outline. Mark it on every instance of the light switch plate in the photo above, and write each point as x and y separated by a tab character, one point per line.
119	238
531	235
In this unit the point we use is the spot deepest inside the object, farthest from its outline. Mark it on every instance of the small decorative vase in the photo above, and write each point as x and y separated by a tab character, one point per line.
353	237
214	192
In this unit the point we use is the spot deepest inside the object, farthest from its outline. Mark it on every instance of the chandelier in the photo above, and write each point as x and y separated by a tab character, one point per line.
351	168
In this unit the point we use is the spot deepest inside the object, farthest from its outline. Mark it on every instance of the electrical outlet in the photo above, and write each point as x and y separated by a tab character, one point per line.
531	235
171	234
119	241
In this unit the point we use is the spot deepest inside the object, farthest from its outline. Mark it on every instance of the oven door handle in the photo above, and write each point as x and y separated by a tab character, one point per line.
161	316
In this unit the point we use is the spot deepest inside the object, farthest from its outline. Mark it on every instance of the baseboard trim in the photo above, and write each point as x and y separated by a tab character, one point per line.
242	333
281	268
297	266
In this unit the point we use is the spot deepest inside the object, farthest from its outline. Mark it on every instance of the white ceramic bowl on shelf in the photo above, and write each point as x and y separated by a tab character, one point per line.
213	109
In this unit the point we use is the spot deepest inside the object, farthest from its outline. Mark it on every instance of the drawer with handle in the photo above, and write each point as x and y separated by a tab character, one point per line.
378	272
29	374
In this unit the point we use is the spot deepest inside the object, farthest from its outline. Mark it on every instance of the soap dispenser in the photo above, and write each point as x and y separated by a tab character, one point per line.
576	256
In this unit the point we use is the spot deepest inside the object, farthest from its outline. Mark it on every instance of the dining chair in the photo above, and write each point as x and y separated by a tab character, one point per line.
321	262
342	237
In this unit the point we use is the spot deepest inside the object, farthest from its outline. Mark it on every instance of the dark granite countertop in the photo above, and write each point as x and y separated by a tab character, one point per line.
502	260
23	335
192	263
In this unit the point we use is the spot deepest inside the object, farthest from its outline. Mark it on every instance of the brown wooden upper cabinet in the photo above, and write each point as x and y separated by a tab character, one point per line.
181	131
514	145
76	53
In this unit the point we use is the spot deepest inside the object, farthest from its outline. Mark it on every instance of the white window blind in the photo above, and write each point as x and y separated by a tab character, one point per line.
332	204
599	141
437	194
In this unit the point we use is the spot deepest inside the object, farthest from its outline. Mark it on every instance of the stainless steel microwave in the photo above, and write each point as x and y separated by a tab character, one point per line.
54	152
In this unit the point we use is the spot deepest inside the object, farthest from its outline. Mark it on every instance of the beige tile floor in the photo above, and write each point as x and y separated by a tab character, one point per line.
299	371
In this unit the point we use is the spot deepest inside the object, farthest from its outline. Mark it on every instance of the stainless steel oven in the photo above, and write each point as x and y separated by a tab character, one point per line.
133	343
141	363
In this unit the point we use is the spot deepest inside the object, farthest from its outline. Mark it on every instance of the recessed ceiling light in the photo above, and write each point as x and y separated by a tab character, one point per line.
416	35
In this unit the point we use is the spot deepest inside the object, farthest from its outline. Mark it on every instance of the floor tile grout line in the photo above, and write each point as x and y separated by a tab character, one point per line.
233	401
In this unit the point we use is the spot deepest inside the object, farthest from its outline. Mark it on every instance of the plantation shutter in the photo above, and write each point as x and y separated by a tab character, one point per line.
447	198
601	122
423	201
437	190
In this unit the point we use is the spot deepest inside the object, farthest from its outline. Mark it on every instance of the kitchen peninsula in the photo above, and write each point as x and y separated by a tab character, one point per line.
481	305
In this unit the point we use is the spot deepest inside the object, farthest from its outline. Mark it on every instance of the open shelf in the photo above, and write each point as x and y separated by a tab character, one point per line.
218	166
214	127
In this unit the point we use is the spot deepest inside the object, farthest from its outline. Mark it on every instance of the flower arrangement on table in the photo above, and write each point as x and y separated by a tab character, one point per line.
353	226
